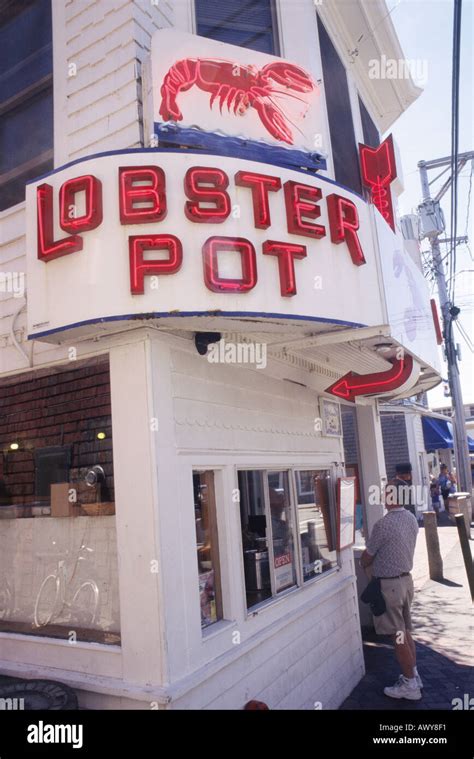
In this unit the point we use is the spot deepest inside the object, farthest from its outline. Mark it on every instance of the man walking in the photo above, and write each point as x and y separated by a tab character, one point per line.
390	551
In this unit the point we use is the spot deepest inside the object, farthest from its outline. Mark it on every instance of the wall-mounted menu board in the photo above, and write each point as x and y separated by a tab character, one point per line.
346	503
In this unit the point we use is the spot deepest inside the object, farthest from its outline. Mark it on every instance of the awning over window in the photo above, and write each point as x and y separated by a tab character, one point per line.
438	433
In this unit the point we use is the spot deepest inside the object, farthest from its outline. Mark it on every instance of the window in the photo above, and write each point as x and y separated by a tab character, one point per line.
58	561
26	95
248	23
273	558
341	126
207	548
370	131
282	531
315	522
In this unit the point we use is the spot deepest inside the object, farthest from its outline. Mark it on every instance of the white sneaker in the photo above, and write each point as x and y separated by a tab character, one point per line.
418	679
404	689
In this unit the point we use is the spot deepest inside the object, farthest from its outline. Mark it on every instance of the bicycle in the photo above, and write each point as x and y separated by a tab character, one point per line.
51	598
6	600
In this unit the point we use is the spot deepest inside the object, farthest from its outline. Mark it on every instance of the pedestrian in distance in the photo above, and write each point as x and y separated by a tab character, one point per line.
446	483
435	501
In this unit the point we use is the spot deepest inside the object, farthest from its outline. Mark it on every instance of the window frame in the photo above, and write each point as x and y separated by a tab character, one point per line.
300	583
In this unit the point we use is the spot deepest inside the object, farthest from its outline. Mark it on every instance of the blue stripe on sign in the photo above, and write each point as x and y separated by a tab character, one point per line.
171	135
191	151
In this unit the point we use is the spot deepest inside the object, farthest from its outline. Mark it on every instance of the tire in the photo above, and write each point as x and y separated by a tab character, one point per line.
40	695
42	619
85	602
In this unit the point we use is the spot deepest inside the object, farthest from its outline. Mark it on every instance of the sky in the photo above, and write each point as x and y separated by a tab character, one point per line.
423	132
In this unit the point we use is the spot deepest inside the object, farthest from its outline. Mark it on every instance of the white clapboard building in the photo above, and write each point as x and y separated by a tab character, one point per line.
200	266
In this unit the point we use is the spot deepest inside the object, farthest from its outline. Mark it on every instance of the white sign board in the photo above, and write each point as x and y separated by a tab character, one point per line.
407	297
179	236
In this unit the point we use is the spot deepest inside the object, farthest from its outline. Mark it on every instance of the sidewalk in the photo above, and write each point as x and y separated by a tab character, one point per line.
443	631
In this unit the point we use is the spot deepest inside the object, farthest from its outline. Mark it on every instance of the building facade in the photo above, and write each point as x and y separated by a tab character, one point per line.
171	502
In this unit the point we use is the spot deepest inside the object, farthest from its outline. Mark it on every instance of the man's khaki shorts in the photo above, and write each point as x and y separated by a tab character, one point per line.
398	595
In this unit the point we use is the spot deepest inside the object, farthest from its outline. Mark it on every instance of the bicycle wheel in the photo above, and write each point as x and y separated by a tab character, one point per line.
85	603
46	600
5	600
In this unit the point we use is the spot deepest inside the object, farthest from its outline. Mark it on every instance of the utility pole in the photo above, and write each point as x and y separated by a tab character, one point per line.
433	225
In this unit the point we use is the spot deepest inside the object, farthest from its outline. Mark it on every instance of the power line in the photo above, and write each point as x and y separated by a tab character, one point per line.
455	137
465	336
439	176
469	199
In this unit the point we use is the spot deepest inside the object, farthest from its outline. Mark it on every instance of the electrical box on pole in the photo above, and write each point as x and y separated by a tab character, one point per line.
431	219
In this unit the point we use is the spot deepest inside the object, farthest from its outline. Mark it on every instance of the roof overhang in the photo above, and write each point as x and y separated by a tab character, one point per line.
363	31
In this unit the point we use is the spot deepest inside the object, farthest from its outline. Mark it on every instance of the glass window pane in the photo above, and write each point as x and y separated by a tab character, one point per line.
254	537
370	131
282	531
58	546
344	149
207	548
316	522
25	47
248	23
13	191
26	131
26	96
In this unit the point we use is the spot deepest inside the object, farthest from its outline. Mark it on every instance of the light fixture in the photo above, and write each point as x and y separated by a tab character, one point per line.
101	436
14	446
95	476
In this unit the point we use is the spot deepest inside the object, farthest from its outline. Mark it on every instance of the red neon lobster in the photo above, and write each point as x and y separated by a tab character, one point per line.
236	85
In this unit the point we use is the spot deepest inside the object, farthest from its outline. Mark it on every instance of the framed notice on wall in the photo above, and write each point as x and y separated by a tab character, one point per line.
330	418
346	504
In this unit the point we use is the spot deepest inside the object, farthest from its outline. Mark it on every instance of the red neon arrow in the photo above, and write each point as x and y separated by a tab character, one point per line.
352	384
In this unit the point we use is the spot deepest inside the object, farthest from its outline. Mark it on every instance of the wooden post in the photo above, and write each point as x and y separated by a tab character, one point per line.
465	510
435	561
466	551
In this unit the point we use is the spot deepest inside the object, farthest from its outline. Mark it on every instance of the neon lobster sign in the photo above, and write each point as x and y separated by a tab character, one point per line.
378	169
238	87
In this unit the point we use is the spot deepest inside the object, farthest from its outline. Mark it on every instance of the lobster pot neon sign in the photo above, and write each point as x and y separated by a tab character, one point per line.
142	199
173	233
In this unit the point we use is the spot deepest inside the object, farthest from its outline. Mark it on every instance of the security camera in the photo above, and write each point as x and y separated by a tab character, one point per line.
202	340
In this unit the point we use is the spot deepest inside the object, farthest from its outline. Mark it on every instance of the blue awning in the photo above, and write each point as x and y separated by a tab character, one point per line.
438	433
